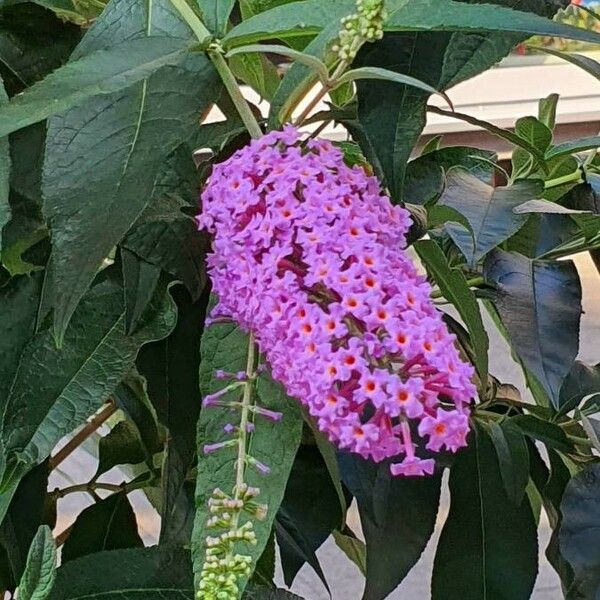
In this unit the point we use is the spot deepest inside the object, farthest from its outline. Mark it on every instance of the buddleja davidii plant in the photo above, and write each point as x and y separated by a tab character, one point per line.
246	264
234	512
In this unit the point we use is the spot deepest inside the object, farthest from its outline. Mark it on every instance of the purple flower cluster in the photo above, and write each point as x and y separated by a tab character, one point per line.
308	254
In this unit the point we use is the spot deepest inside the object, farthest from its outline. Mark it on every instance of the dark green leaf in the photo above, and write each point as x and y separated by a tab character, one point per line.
157	573
40	570
140	279
107	151
395	512
513	458
489	210
215	14
578	535
290	20
102	72
543	431
393	116
534	132
33	42
171	370
26	226
301	18
164	235
454	287
224	346
75	380
448	15
310	511
583	380
481	540
108	524
353	548
425	175
540	305
132	398
121	446
295	551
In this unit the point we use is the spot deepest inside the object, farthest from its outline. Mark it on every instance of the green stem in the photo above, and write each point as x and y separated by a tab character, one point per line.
245	416
193	21
475	282
235	93
572	177
328	85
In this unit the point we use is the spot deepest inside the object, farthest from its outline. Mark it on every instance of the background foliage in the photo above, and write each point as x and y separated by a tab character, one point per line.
103	297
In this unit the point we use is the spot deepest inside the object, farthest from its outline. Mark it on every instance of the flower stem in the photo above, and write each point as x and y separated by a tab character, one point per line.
193	21
216	55
244	418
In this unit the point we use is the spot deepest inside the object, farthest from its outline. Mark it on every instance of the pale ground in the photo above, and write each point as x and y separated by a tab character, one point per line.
343	576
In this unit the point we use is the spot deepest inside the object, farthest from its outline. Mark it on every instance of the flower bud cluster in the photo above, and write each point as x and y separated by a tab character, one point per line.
308	255
366	25
223	566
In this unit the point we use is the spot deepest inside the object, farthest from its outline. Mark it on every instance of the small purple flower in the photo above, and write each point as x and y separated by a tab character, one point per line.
271	415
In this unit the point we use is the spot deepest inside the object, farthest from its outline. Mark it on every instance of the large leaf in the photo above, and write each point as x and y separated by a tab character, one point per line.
482	540
156	573
489	211
33	42
108	524
448	15
225	346
455	288
102	72
579	537
393	116
540	305
76	379
397	516
171	370
301	18
289	21
40	570
106	152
